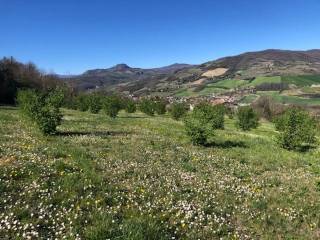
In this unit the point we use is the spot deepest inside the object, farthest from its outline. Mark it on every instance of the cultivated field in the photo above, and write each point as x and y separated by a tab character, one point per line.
139	177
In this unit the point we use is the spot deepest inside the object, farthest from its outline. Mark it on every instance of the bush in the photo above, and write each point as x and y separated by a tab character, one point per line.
27	101
202	122
160	107
130	106
48	118
112	105
247	119
147	106
42	108
297	129
219	112
94	103
82	102
178	110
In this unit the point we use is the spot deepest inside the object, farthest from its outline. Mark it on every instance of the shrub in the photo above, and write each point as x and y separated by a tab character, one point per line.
297	129
82	102
130	106
42	108
160	107
94	103
147	106
219	112
112	105
48	118
202	122
27	100
178	110
247	119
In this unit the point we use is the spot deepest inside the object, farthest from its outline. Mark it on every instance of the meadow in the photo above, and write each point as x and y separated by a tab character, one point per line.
139	177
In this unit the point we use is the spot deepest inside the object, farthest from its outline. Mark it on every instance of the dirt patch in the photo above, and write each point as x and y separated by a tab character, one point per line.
198	82
215	73
6	160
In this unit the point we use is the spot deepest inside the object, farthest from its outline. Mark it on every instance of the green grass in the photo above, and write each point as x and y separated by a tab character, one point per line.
228	83
186	92
138	177
290	99
249	98
212	88
301	81
261	80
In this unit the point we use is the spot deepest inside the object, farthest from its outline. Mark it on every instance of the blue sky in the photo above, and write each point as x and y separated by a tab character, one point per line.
71	36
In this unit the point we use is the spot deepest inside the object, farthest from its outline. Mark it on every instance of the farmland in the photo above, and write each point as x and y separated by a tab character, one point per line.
303	90
139	177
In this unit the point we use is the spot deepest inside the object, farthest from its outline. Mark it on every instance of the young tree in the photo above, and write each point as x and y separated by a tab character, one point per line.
247	119
82	102
160	107
202	122
297	129
147	106
219	112
112	105
42	108
130	105
94	103
178	110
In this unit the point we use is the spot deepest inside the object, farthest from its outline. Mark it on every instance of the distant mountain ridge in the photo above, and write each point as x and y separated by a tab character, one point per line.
122	67
122	73
247	65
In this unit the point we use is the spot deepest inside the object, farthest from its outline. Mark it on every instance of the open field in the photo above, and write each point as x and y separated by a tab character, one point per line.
301	81
138	177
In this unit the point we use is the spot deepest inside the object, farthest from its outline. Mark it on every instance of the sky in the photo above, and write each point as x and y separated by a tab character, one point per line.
72	36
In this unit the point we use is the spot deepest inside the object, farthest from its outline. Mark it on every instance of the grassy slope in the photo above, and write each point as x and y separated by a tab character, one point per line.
301	81
138	177
261	80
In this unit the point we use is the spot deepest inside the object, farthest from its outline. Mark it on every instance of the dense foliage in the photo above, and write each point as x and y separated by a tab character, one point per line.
218	116
42	108
82	102
147	106
202	122
130	105
178	110
297	129
15	75
247	119
112	105
160	106
95	103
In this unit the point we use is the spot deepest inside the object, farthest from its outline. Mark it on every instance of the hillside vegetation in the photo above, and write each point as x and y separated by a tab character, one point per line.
139	177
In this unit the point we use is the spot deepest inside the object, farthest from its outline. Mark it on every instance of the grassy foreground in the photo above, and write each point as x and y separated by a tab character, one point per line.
138	177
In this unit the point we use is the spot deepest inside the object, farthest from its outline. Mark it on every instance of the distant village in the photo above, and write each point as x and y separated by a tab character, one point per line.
231	99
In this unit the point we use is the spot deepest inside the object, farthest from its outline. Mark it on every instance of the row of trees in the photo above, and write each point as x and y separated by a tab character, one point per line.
297	128
111	105
205	119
